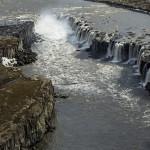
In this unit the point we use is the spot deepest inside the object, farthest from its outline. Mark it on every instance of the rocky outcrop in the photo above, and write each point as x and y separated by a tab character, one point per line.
22	30
16	40
26	108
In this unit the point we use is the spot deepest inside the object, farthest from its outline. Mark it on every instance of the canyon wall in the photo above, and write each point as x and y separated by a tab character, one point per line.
26	109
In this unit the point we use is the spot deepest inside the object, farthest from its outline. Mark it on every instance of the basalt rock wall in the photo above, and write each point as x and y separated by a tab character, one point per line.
21	30
16	40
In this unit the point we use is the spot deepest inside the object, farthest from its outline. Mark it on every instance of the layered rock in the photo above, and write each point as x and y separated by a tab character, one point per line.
16	40
9	46
23	30
26	108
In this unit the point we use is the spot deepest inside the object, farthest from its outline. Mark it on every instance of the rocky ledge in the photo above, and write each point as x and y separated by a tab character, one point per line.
136	5
16	40
26	108
111	47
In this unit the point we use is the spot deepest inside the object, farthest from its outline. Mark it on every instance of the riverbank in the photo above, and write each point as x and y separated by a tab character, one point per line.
137	5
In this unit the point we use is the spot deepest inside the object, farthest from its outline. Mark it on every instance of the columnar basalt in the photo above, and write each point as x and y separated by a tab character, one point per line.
26	109
16	40
8	46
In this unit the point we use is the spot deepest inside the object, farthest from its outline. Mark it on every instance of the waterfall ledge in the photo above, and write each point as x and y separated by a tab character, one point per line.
111	47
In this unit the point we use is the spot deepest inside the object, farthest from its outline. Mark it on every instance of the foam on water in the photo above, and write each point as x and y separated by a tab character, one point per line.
51	28
8	62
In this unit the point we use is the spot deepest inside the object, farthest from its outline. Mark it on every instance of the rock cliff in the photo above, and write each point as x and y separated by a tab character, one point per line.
16	40
26	108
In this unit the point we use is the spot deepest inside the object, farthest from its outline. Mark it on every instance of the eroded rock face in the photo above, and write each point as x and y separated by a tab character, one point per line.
16	41
23	30
26	107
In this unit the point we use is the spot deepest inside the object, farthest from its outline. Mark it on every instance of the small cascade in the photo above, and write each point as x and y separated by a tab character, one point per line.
146	83
131	47
117	52
109	50
139	61
133	51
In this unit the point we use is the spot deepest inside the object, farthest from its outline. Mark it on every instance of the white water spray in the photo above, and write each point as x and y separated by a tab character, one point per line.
8	62
50	27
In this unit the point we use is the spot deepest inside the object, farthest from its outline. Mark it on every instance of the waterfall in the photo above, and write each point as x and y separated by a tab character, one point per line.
117	50
147	79
109	50
139	62
133	53
131	46
51	28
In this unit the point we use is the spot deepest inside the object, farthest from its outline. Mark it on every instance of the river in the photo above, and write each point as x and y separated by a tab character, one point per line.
105	106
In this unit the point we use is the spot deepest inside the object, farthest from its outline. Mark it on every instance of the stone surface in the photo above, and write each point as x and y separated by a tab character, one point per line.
26	107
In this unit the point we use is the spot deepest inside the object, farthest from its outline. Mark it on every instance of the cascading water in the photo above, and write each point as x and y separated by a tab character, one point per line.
109	50
117	50
147	79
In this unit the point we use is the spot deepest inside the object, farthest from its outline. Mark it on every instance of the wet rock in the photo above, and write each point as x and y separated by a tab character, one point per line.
26	108
146	56
25	57
60	95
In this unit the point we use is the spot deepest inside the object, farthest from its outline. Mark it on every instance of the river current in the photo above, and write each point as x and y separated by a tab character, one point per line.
106	107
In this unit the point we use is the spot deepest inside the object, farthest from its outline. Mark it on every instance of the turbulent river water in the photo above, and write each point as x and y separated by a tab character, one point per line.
106	108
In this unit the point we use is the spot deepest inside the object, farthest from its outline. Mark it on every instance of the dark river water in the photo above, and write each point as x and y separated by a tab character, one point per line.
106	108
